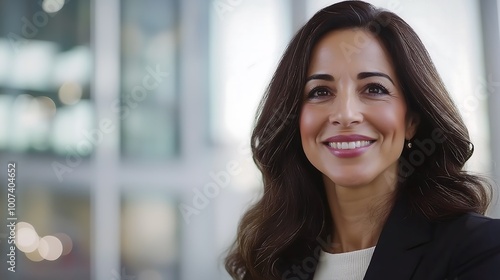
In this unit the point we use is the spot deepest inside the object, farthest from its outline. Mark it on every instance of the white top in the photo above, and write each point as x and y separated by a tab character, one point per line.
344	266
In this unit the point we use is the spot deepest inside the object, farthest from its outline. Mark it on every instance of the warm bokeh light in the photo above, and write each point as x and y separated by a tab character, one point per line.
46	106
70	93
50	248
66	241
27	239
21	225
34	256
150	239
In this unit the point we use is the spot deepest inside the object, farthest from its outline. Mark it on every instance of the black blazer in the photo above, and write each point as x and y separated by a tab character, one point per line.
411	247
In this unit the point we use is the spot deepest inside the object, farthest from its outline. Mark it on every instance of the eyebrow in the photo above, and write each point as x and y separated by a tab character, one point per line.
362	75
325	77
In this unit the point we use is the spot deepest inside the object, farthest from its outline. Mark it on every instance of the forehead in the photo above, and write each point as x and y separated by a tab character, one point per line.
350	49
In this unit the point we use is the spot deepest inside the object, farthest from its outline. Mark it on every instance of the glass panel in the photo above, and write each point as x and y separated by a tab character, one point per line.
149	103
244	55
52	231
149	236
46	118
45	63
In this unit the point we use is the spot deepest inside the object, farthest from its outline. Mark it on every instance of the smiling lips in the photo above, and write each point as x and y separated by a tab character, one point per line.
346	146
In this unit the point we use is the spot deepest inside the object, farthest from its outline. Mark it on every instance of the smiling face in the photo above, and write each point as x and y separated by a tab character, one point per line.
354	119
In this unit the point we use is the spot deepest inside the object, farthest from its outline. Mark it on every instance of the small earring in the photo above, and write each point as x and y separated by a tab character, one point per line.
409	145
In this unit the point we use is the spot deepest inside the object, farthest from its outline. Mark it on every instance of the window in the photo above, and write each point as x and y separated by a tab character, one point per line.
149	56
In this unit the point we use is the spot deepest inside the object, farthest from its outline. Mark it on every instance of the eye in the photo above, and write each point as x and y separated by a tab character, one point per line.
376	89
318	92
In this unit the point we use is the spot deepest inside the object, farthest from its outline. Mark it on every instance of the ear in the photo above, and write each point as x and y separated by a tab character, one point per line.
412	122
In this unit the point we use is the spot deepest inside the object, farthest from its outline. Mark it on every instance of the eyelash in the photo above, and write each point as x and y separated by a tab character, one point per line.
369	86
315	90
383	89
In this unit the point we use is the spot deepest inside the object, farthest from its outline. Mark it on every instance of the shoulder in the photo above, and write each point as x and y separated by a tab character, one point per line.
469	222
474	244
467	227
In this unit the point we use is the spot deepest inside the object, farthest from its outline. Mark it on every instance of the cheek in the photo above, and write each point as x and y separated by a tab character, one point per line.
310	123
390	120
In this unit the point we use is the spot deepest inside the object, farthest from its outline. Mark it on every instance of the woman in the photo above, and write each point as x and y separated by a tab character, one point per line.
362	153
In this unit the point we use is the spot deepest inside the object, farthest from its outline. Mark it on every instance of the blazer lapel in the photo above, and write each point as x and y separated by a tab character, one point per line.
400	245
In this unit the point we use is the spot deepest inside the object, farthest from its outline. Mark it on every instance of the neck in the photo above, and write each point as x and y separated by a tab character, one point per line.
358	214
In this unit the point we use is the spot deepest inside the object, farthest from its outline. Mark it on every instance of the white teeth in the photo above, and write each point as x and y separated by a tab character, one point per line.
348	145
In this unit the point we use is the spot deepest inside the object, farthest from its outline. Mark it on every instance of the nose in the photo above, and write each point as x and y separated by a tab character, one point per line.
346	110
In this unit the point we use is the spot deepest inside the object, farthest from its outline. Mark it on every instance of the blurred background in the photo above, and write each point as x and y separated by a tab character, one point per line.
129	123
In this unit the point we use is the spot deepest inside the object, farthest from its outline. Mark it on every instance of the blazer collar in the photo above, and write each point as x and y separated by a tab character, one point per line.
401	243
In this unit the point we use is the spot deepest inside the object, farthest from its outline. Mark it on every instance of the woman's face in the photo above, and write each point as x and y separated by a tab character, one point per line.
354	121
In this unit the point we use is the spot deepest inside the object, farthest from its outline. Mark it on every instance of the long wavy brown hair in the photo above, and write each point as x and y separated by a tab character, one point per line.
286	226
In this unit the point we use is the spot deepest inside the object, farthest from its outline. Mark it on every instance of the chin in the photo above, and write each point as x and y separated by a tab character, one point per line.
348	181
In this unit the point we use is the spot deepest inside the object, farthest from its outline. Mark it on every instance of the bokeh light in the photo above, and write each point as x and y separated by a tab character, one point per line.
50	248
70	93
34	256
66	241
27	239
52	6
